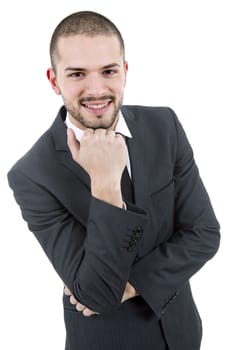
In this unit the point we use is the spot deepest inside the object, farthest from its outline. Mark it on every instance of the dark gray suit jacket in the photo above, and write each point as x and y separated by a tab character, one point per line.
164	238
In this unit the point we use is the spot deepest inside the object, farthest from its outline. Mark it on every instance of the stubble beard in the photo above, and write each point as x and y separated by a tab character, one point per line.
100	122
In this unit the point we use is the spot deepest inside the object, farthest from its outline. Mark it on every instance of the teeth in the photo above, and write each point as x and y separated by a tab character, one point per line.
97	106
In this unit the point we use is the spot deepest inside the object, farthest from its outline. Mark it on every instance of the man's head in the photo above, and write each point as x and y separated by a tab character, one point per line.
83	23
88	68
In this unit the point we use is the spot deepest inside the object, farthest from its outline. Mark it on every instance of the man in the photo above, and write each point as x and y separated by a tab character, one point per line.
124	248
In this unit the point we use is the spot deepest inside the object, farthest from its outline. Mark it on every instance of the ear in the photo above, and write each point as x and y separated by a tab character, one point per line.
53	80
126	67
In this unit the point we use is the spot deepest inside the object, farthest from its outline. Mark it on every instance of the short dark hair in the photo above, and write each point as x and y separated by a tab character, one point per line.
84	22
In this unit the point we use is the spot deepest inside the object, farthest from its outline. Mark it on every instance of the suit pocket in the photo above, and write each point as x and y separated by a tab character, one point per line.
181	321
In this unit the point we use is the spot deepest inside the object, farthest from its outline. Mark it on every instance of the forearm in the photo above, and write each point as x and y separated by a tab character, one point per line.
109	255
159	276
193	240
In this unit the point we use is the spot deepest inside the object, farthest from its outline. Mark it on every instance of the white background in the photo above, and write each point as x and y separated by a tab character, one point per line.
180	55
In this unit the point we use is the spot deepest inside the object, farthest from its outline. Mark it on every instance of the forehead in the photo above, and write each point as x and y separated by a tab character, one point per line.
84	50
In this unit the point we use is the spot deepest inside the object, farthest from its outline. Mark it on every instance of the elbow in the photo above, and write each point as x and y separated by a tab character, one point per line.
212	241
216	242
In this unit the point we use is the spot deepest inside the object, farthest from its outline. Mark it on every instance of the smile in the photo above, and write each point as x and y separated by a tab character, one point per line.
96	106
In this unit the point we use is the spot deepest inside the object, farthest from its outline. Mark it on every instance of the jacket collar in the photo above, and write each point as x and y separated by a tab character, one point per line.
58	131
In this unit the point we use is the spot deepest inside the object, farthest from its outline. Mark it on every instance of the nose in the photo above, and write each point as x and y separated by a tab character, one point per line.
95	86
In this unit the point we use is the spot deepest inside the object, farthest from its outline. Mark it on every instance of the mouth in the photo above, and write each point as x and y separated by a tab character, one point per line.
97	107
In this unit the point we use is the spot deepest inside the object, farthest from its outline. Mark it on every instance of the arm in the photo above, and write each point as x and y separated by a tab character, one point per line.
195	238
93	260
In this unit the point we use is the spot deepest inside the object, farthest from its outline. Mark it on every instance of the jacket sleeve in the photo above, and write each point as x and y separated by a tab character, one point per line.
93	261
159	275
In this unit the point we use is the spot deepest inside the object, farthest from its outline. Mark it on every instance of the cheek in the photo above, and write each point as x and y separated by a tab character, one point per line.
70	91
118	87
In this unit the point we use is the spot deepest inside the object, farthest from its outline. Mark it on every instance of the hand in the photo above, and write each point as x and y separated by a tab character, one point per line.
102	153
79	307
130	292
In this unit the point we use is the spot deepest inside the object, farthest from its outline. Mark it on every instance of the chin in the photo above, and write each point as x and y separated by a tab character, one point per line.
101	123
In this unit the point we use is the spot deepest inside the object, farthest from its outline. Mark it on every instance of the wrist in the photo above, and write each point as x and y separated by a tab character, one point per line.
107	192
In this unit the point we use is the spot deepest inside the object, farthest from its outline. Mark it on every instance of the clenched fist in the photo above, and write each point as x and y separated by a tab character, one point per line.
102	153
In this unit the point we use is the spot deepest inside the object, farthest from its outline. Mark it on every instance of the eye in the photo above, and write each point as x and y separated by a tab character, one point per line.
109	72
76	75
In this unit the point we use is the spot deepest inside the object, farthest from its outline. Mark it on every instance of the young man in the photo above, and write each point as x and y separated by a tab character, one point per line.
124	248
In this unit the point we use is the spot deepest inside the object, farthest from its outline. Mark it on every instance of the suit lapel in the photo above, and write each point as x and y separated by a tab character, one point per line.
138	158
58	130
73	178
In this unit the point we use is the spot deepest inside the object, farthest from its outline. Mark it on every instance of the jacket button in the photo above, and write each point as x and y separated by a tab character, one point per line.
137	232
131	248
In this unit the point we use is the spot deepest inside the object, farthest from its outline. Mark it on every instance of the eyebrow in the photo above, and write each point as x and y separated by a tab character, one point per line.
108	66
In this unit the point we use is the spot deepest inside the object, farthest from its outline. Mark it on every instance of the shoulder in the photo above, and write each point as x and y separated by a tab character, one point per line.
159	119
160	114
42	154
38	156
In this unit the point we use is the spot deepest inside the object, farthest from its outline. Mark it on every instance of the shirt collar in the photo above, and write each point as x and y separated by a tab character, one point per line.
121	127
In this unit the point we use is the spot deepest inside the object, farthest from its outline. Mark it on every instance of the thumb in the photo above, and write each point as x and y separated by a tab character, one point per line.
73	144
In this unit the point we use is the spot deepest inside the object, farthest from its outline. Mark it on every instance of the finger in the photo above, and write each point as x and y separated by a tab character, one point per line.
80	307
87	312
110	133
88	132
67	291
119	137
100	132
72	143
73	301
124	297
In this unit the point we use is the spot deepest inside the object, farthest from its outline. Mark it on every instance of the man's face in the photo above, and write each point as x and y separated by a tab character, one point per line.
90	76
